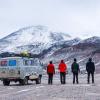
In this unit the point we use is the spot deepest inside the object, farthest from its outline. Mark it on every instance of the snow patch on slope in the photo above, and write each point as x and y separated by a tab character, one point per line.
40	37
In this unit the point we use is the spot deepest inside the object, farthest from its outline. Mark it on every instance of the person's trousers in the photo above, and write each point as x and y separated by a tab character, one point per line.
50	78
63	77
75	76
92	75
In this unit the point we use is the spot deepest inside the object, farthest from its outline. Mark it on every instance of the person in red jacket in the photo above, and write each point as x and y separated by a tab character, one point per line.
62	68
50	72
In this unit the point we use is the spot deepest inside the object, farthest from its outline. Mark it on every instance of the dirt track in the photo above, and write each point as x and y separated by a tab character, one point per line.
82	91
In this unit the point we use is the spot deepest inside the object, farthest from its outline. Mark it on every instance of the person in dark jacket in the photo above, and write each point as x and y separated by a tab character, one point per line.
62	68
90	68
50	72
75	70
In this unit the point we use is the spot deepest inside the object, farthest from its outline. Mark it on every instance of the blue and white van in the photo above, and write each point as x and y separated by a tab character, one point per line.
20	69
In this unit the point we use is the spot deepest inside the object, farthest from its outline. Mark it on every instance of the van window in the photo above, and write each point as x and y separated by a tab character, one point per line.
12	62
3	63
33	63
26	62
30	63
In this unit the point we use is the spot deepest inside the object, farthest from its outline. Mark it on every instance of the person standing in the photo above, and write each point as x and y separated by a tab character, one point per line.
90	68
50	72
62	68
75	70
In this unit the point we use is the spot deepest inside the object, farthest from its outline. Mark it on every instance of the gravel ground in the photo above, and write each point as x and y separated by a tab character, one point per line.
81	91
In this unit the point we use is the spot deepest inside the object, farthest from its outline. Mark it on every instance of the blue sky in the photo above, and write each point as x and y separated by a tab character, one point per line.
77	17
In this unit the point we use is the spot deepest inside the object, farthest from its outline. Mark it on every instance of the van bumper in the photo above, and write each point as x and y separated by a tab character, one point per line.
11	78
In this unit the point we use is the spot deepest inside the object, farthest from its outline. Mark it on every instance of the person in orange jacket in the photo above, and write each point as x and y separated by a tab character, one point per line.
50	72
62	68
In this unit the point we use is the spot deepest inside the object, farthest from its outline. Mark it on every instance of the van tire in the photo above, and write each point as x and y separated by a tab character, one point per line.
40	76
24	81
38	80
6	82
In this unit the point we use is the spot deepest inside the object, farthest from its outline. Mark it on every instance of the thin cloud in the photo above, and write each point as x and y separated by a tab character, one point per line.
71	16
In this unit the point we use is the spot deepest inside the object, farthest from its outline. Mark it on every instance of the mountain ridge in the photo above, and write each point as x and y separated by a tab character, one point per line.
49	45
34	35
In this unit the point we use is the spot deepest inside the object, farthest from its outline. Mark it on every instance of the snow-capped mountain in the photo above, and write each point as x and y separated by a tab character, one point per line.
82	50
49	45
37	37
93	39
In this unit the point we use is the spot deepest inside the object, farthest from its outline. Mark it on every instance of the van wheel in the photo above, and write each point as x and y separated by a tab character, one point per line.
6	82
24	81
38	81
